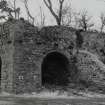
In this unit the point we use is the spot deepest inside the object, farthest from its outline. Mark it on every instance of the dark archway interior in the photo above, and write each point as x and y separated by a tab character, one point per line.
55	70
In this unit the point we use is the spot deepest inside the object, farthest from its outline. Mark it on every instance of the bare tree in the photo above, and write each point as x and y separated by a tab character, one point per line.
40	22
102	18
4	8
42	17
67	15
75	21
14	2
9	9
30	17
57	16
16	10
85	21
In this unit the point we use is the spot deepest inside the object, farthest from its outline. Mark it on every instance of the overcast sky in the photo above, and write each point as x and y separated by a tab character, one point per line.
94	8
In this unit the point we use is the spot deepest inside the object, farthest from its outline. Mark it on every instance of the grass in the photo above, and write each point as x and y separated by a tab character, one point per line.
52	97
42	101
27	99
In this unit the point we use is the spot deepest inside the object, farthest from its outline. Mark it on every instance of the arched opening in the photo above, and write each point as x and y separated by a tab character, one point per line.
55	70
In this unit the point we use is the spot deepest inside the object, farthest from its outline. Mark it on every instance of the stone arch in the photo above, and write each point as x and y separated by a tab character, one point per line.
55	69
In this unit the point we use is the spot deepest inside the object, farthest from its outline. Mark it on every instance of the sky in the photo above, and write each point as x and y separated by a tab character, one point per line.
94	8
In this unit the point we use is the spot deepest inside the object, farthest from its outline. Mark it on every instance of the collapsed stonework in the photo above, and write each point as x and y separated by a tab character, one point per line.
28	54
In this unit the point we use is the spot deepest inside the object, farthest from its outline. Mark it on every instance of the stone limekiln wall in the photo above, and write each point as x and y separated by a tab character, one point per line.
30	48
6	54
24	48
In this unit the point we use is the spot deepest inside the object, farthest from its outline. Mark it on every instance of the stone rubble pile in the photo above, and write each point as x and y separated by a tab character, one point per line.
91	70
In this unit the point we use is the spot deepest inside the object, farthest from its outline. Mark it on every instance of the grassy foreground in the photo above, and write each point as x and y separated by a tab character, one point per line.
24	100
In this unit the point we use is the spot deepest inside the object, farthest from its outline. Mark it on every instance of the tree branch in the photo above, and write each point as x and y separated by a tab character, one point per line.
60	10
58	16
49	6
